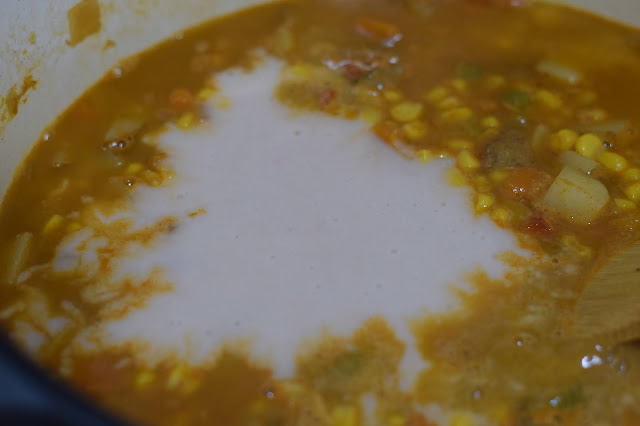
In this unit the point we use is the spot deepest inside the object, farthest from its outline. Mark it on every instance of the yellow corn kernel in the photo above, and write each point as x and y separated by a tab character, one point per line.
548	99
572	242
73	227
490	122
186	121
205	94
482	184
484	203
392	95
448	103
176	376
613	161
455	177
424	155
406	111
633	192
459	84
495	82
300	70
436	94
624	204
460	419
501	215
134	168
498	175
589	145
151	178
190	385
563	140
457	115
52	224
344	415
501	414
467	160
460	144
396	420
371	115
415	130
632	174
143	379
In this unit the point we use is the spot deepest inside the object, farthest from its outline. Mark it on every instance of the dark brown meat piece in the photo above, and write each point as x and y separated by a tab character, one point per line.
509	149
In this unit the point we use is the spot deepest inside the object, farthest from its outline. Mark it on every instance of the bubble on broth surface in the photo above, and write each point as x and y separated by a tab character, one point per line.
306	223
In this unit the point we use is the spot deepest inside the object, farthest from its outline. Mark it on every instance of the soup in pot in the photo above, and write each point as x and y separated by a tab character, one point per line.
259	221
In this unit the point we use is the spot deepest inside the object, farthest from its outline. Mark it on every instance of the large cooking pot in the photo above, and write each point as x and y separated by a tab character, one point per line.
42	71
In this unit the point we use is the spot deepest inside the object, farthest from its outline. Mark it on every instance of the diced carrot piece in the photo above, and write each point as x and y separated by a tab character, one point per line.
327	96
538	225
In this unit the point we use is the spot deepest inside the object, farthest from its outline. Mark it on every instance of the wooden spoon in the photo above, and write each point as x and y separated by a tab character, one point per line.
609	306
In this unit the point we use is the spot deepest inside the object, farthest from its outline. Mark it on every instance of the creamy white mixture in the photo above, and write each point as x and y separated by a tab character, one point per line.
311	223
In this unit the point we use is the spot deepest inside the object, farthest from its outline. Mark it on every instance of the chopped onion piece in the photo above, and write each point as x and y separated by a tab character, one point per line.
18	256
540	134
559	71
123	127
613	126
575	196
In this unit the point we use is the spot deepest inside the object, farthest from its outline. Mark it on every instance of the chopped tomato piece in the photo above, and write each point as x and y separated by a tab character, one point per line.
180	99
538	225
326	96
353	71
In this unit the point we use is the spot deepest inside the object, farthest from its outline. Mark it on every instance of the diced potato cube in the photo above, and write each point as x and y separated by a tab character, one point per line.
576	196
577	161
